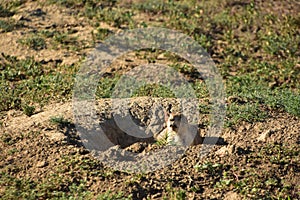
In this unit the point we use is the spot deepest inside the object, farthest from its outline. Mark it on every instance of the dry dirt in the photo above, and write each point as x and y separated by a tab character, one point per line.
37	149
41	145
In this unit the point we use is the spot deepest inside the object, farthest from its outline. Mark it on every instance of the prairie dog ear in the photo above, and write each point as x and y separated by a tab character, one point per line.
169	109
167	112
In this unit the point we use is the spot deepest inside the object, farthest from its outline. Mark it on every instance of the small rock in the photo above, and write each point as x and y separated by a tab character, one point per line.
232	196
265	135
18	17
226	150
10	159
241	129
161	57
14	113
55	135
136	147
157	195
129	60
41	164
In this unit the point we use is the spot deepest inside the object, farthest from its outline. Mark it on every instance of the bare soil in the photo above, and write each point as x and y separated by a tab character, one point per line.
37	149
40	146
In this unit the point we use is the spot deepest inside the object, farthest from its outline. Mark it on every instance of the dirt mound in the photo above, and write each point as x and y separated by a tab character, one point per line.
39	147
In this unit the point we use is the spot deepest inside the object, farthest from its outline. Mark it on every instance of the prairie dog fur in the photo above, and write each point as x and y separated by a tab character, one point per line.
179	131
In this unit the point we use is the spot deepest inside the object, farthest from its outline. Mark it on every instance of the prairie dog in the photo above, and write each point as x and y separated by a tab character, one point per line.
179	131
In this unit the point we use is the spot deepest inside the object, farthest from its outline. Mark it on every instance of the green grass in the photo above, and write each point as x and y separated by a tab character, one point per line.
257	53
24	83
67	3
9	25
28	189
237	51
106	86
33	42
28	110
101	34
246	181
64	39
4	12
252	94
174	193
110	196
54	185
246	112
253	91
154	90
59	121
13	4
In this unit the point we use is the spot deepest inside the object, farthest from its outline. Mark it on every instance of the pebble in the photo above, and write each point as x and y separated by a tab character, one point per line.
226	150
232	196
55	135
18	17
41	164
161	57
265	135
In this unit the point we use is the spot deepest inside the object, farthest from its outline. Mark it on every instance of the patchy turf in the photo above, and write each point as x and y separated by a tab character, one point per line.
255	45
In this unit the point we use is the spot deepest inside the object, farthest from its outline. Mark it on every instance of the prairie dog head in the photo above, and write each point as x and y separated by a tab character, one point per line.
173	121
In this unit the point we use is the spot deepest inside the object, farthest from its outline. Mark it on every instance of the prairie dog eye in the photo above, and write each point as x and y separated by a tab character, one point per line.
174	120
